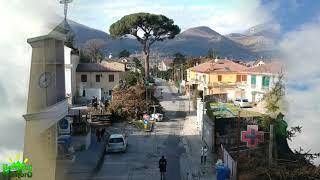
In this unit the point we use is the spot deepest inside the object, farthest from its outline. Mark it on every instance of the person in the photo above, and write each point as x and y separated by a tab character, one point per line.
98	135
102	132
162	167
204	151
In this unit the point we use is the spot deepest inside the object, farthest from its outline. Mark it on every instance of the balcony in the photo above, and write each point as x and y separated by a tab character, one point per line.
194	81
221	85
241	85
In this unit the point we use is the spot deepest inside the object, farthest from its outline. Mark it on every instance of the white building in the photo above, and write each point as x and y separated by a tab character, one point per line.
97	79
71	63
260	80
165	65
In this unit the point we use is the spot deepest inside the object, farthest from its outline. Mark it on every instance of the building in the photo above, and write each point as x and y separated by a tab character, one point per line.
97	79
71	58
217	77
165	65
129	64
46	106
260	80
255	63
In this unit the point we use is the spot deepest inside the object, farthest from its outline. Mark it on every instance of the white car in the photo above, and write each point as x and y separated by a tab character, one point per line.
240	102
157	116
116	143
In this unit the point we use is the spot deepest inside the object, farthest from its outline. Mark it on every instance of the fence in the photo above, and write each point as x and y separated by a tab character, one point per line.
232	164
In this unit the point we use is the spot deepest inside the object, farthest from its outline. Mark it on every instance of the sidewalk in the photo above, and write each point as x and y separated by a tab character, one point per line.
87	161
193	143
190	166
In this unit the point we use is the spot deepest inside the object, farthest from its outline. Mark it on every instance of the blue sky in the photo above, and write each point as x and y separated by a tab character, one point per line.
223	16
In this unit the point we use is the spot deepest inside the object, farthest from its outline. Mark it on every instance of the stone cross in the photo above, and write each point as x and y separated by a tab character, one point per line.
65	3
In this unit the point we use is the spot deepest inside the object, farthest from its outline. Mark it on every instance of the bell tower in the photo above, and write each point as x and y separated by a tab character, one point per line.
46	104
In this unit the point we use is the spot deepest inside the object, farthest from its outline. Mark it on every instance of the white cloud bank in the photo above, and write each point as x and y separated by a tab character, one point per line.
301	49
20	20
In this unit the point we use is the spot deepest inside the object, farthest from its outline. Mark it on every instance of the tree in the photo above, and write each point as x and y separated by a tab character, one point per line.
124	53
93	48
147	29
132	78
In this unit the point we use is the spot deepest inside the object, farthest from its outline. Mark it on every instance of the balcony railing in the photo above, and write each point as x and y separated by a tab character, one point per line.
221	85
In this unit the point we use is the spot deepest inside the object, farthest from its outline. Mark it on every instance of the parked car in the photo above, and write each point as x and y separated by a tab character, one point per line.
117	143
241	102
157	116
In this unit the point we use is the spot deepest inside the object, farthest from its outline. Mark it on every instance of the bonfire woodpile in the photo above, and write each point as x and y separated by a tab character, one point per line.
125	101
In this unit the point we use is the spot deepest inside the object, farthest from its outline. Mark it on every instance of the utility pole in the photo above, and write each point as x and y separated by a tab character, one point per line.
270	145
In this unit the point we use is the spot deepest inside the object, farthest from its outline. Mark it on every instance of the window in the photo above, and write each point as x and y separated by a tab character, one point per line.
265	82
111	78
98	77
253	80
116	140
83	92
219	77
238	78
244	77
110	92
83	78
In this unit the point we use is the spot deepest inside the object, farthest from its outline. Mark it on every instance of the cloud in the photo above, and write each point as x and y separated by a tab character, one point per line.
20	20
301	53
235	16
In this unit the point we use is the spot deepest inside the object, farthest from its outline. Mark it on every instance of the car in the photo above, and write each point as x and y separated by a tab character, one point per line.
116	143
157	116
241	102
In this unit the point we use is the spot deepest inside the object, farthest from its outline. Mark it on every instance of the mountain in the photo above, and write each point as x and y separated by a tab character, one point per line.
197	41
261	39
192	42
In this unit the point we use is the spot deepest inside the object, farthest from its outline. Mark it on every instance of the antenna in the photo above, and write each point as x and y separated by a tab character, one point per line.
65	3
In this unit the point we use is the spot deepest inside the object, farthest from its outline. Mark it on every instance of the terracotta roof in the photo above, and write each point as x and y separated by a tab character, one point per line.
268	68
94	67
219	66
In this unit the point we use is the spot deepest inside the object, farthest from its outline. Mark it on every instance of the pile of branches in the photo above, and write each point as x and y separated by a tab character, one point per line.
125	102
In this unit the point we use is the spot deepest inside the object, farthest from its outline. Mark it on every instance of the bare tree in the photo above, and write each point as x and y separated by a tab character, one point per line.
93	49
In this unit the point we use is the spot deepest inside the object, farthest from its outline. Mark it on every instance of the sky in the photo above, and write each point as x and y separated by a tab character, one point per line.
299	21
231	16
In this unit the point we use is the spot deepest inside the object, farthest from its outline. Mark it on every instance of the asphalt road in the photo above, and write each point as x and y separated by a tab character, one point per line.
140	162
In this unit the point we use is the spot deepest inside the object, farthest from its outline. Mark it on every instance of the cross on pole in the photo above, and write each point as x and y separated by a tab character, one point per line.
65	3
252	136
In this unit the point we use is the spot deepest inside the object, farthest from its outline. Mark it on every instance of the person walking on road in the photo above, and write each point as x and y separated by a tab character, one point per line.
204	152
102	133
162	167
98	135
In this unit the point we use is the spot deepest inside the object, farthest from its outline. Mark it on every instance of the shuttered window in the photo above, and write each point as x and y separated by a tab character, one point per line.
83	78
244	77
219	77
253	80
238	78
265	82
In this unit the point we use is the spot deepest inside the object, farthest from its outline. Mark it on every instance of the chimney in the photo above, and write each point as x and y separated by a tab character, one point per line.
110	56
